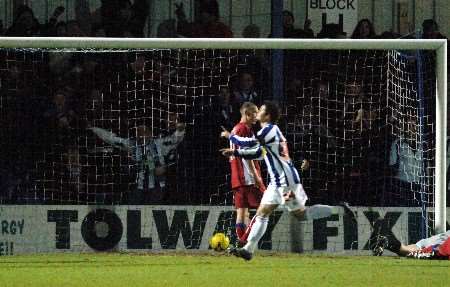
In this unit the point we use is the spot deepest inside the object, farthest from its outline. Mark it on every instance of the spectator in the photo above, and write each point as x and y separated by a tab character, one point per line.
24	24
138	65
364	30
132	17
245	90
60	114
60	63
311	139
83	11
117	18
309	33
251	31
289	31
365	116
406	162
73	29
225	111
61	29
430	30
150	156
206	26
52	24
167	29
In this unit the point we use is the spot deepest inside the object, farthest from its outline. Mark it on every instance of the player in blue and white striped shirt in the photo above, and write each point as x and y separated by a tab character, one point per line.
152	156
284	186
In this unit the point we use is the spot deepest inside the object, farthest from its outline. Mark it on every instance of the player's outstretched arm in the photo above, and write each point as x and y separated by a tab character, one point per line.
112	138
256	153
237	140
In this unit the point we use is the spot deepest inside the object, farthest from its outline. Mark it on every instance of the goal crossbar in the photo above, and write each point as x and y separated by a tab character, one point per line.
439	45
218	43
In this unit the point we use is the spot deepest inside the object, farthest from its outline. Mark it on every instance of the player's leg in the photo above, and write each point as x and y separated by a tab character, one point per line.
254	196
247	217
241	211
295	201
259	226
272	197
404	250
378	243
241	219
135	197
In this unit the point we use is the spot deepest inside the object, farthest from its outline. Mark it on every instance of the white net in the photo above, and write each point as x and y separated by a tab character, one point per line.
73	124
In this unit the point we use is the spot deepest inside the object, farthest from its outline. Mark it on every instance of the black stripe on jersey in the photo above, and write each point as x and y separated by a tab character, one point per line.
271	140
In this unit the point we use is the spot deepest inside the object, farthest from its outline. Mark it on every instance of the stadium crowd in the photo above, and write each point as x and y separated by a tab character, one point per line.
333	116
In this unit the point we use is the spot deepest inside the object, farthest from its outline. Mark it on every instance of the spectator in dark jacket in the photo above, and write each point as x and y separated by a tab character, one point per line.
431	30
24	24
289	30
206	26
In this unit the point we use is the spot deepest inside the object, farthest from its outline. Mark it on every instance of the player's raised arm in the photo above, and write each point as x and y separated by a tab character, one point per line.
112	138
243	141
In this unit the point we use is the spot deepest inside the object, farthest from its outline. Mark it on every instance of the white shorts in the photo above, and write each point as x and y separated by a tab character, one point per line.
274	195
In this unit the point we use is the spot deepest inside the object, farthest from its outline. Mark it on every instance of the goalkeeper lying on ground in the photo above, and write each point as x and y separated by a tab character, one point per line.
434	247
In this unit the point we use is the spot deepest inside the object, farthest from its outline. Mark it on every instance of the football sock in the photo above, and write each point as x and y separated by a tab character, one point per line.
244	237
256	233
319	211
393	244
240	230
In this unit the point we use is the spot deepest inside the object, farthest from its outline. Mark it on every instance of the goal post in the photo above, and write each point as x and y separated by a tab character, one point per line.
441	138
435	181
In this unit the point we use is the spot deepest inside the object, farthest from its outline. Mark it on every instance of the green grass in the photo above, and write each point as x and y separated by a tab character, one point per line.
177	269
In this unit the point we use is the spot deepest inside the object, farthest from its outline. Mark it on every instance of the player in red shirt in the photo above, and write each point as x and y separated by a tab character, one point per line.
434	247
246	181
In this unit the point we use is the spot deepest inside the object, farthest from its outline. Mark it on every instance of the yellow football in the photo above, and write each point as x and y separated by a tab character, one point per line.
219	242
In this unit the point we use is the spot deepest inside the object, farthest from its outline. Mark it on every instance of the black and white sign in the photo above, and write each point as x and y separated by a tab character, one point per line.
35	229
333	11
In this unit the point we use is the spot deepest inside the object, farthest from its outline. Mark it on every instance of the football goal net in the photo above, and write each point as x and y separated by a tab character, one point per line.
114	143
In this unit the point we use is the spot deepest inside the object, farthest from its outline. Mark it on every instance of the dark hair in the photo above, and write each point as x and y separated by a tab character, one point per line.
288	13
429	25
356	34
211	7
273	110
21	9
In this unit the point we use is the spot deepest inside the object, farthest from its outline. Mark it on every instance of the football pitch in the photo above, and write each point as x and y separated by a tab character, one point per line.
217	269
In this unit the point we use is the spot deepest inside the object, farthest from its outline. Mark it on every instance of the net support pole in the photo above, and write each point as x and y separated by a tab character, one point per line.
277	55
441	139
424	228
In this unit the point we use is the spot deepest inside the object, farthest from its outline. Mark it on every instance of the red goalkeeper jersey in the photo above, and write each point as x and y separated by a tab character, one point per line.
241	174
441	251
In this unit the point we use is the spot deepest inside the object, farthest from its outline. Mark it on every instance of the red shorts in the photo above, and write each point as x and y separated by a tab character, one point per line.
247	196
